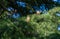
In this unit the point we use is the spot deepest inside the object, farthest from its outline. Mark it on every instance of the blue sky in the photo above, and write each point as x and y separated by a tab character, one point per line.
22	4
10	9
57	1
58	27
16	15
58	14
41	8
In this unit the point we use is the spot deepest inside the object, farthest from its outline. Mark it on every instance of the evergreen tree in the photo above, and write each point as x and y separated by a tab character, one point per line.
43	25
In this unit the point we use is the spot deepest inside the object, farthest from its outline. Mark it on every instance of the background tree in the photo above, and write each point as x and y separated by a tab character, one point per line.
14	25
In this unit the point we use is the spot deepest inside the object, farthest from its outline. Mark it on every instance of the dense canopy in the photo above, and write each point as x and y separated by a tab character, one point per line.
29	19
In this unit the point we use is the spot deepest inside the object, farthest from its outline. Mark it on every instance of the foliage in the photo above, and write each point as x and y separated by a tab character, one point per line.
41	26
